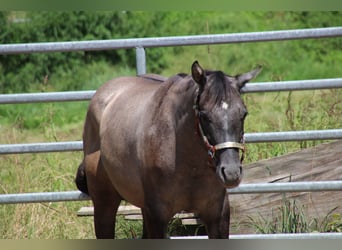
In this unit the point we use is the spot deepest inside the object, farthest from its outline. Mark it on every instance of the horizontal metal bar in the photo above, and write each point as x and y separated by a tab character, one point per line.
328	134
44	147
292	85
170	41
302	236
249	138
47	97
242	189
249	88
43	197
287	187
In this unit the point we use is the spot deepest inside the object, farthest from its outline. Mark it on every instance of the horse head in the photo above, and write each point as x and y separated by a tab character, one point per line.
220	113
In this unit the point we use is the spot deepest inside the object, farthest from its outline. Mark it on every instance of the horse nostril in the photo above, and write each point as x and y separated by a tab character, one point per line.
223	173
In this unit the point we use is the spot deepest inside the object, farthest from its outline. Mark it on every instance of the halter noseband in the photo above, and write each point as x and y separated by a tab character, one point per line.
213	148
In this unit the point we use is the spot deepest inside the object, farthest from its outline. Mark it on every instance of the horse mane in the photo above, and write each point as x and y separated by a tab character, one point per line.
217	89
172	83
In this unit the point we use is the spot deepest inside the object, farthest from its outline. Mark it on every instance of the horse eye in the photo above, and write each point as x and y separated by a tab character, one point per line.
204	115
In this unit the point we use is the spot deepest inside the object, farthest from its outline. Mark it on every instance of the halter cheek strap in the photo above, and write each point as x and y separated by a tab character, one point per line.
224	145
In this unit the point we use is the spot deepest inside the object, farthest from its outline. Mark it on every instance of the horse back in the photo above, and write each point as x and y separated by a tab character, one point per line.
103	96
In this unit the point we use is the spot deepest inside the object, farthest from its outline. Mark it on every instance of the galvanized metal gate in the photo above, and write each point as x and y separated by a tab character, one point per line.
139	45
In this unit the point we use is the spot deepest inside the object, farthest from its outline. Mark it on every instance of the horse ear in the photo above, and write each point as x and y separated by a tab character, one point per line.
198	74
246	77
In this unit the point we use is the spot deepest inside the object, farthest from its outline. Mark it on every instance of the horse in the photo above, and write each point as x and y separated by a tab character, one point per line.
166	145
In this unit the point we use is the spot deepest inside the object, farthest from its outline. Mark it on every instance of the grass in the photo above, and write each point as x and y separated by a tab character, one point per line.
290	217
49	171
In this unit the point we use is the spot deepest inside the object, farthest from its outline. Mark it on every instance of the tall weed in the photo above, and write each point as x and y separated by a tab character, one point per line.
290	217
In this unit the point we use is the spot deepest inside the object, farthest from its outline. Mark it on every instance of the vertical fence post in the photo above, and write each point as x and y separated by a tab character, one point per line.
140	60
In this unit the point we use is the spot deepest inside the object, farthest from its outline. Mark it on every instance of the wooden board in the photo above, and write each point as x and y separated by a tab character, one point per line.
85	211
133	217
320	163
122	210
131	212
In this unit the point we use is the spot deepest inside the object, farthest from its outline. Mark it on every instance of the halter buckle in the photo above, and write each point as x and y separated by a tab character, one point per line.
211	151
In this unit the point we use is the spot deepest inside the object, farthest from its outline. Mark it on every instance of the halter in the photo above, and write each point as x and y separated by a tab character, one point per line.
213	148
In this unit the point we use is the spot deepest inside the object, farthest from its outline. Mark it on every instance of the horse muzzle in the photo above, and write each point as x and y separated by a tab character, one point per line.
230	175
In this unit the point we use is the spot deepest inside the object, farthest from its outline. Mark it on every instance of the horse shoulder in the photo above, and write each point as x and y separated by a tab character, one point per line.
159	141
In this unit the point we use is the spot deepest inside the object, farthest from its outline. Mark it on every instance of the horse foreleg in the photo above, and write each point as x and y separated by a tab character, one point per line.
154	224
217	220
144	235
104	217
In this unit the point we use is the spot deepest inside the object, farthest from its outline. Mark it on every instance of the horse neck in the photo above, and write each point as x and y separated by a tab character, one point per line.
188	139
184	95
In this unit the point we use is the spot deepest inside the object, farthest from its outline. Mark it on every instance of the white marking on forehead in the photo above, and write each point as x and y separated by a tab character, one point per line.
224	105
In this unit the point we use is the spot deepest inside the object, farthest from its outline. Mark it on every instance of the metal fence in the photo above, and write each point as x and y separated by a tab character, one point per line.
140	44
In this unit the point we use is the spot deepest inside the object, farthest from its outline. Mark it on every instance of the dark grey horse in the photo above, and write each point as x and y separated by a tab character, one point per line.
165	145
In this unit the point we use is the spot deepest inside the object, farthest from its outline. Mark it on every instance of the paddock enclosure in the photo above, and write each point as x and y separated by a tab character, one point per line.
268	187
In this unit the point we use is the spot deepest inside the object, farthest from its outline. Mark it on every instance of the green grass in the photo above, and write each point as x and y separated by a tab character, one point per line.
290	217
48	171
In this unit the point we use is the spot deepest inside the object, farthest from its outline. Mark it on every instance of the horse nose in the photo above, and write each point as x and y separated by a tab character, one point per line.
230	175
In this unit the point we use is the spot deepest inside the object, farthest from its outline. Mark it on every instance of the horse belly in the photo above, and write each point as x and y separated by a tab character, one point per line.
126	179
119	142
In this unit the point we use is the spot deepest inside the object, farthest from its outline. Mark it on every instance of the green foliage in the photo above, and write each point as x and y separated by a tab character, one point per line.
18	73
38	116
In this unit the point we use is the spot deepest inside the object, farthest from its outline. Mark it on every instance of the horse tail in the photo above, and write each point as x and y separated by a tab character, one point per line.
81	179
